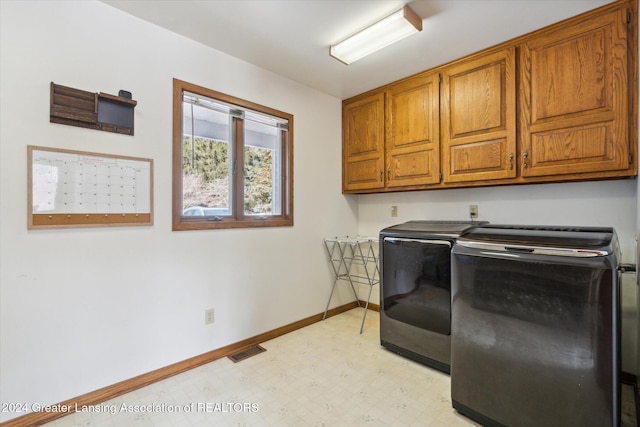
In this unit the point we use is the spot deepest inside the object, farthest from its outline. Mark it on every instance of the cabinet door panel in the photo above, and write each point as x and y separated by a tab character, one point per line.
476	104
413	166
478	118
482	157
574	115
365	173
581	149
363	143
413	131
563	85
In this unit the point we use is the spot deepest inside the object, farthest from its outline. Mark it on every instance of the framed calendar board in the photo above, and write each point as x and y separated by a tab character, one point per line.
69	188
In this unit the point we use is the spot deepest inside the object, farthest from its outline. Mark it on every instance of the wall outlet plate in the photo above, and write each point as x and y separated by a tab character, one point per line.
208	316
473	211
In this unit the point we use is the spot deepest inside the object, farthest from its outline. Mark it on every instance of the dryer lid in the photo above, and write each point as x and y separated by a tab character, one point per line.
431	228
587	238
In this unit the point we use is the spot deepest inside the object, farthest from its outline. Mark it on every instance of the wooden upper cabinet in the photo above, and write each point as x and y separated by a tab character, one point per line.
412	143
363	143
574	95
479	118
557	104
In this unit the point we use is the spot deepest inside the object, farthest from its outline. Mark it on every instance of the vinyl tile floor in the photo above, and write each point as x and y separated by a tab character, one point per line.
326	374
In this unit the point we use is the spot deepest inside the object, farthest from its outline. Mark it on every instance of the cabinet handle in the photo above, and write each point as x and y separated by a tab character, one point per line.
525	155
510	161
381	174
388	175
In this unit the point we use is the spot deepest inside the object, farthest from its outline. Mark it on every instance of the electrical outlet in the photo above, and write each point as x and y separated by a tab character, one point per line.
394	211
208	316
473	211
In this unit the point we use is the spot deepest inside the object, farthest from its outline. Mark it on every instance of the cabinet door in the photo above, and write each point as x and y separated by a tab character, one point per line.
574	114
412	132
479	118
363	143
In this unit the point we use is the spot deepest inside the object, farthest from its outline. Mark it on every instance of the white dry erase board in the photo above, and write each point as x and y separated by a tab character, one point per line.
68	188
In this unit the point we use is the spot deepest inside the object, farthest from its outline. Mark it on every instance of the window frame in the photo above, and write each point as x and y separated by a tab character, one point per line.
238	219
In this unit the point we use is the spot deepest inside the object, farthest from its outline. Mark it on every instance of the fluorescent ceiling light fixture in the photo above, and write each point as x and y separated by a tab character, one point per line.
387	31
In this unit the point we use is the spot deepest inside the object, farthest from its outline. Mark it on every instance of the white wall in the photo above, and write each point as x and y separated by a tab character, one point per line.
85	308
81	309
606	203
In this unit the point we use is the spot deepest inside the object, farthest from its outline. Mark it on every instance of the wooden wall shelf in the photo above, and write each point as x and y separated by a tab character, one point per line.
100	111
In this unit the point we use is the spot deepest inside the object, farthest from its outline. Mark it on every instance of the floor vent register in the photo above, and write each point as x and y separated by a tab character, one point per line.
245	354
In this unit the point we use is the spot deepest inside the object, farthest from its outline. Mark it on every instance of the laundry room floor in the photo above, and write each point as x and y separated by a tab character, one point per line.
326	374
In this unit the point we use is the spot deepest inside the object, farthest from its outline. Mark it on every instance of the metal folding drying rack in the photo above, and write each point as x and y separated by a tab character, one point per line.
355	260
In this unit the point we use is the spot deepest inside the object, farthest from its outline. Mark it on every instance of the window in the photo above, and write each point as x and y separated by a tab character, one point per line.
232	161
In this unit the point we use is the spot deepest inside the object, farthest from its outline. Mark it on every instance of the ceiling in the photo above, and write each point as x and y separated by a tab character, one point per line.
292	37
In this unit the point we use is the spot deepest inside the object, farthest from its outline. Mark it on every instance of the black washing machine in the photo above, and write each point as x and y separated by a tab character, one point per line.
536	326
415	289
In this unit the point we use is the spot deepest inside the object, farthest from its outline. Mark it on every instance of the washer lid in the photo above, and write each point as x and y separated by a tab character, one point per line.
586	238
443	228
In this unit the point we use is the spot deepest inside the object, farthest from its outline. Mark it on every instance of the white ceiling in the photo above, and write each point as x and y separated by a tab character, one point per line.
292	37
